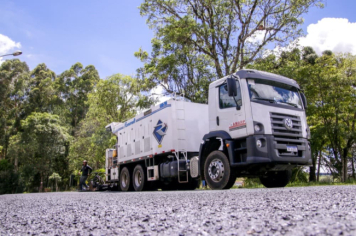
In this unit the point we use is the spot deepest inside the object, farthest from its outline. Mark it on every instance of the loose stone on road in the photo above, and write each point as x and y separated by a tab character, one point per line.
327	210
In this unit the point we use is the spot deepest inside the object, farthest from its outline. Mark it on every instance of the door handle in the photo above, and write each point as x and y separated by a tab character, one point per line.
217	121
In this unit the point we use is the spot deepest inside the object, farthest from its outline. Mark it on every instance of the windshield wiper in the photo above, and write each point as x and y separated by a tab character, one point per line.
266	99
289	103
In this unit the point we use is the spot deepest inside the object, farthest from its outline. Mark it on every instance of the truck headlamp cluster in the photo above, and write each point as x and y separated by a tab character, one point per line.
257	128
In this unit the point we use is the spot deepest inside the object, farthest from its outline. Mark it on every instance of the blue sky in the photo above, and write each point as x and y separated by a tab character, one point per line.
107	33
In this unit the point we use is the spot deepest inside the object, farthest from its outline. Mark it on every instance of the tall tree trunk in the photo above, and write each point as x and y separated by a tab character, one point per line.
344	163
16	163
343	172
353	168
319	164
312	169
41	185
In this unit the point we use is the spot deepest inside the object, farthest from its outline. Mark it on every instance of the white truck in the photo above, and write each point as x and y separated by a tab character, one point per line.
253	126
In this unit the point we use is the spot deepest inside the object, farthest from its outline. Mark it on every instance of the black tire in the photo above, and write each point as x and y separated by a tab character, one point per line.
276	179
217	171
139	180
232	180
125	179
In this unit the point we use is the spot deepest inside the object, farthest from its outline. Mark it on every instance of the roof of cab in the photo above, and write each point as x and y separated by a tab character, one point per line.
257	74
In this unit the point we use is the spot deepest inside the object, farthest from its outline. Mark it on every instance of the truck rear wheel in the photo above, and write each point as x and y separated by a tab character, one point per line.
139	181
125	180
217	171
276	179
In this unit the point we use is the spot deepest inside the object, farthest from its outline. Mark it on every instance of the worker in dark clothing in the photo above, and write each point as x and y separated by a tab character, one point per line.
86	171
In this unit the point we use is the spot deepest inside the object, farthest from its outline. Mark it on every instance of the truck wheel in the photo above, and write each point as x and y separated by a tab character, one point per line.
125	180
138	178
232	180
217	171
276	179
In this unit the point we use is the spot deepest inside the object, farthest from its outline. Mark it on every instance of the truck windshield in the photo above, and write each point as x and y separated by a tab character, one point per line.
274	92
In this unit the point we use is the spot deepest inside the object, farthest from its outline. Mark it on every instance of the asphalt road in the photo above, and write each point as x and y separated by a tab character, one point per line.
286	211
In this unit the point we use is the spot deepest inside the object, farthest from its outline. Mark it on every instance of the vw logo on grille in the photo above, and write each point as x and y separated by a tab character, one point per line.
288	123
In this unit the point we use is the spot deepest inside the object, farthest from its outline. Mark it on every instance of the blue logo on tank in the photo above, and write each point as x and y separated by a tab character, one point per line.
160	131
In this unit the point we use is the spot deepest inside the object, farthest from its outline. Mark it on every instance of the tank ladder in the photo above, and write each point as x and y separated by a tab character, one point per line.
181	145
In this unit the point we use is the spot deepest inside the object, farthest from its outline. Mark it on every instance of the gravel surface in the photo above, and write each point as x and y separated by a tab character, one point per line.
285	211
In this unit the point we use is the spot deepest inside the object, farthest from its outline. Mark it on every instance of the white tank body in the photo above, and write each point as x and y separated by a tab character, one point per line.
169	127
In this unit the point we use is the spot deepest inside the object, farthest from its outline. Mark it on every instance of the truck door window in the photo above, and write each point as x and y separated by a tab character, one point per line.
225	101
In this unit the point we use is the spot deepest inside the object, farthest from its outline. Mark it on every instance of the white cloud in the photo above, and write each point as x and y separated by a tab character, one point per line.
257	37
7	45
335	34
159	95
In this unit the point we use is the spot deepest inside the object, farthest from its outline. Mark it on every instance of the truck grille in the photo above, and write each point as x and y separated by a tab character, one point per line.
284	136
279	129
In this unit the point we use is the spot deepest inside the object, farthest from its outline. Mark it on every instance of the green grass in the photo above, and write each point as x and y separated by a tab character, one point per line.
324	181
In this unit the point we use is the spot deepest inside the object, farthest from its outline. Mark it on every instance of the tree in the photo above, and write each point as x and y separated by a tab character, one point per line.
230	33
56	178
9	179
42	94
335	98
13	83
74	86
114	100
43	138
179	69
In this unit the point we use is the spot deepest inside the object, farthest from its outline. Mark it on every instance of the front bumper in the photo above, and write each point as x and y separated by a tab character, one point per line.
273	151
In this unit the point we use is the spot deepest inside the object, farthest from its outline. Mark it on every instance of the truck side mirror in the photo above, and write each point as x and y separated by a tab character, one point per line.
304	100
231	87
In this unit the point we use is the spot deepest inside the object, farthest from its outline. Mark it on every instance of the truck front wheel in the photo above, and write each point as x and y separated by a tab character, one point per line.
217	171
125	180
276	179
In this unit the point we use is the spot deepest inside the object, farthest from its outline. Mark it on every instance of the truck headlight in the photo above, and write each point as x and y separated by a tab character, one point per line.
257	128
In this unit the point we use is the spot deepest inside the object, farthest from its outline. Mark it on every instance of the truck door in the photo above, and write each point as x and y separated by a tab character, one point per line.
229	118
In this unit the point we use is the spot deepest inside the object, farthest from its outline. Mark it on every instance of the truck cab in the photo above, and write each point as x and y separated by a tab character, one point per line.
257	122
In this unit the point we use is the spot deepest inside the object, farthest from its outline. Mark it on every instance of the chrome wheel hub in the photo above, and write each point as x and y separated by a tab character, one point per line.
216	170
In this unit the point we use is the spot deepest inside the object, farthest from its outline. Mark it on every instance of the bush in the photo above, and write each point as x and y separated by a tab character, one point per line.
252	183
9	179
101	172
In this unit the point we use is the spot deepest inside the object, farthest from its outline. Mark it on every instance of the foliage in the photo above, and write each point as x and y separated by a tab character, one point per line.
56	178
299	175
9	179
13	84
74	86
198	41
178	69
114	100
101	172
42	140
